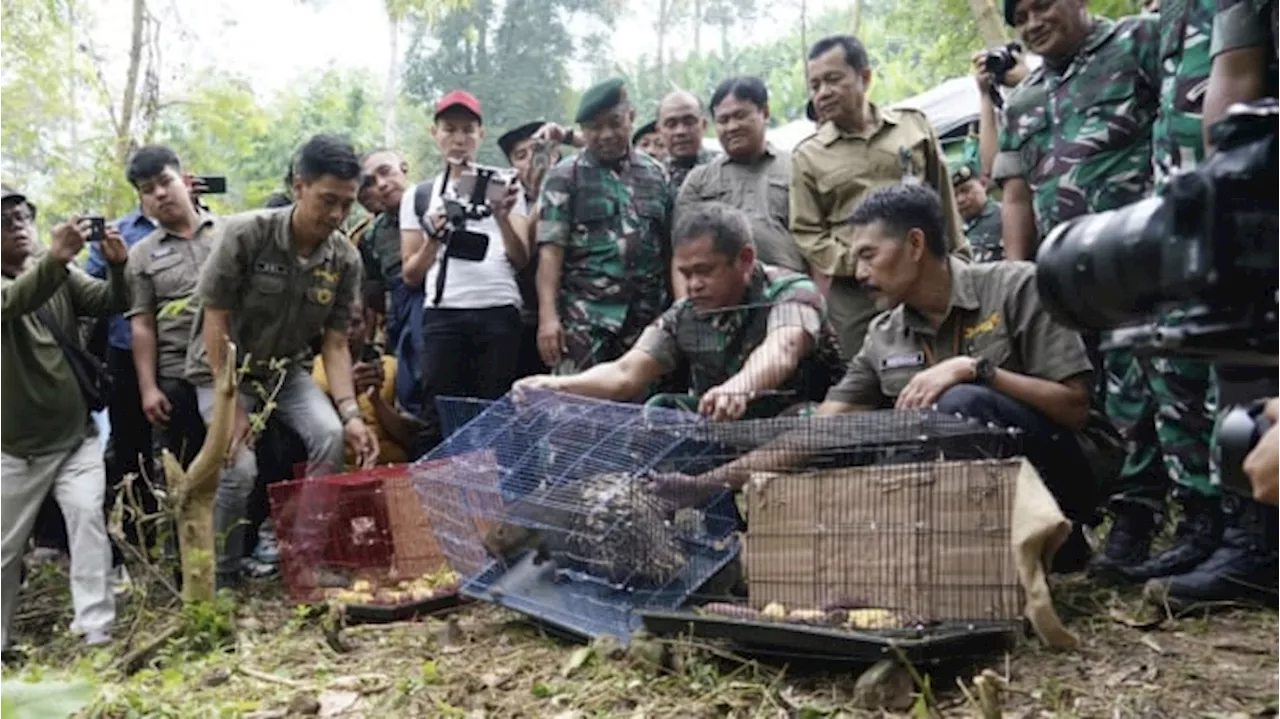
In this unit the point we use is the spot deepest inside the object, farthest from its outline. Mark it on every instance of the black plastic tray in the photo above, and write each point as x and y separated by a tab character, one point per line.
919	646
383	613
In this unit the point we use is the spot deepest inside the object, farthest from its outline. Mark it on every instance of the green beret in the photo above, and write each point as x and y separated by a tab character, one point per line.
601	98
962	171
645	129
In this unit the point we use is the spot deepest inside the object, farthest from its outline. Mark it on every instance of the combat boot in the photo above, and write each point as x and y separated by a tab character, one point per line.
1198	535
1128	542
1241	570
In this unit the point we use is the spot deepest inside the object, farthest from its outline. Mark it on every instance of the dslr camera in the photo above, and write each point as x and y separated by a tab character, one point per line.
998	62
474	194
1206	251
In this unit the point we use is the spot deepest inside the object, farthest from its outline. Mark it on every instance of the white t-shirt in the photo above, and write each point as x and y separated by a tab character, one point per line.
468	285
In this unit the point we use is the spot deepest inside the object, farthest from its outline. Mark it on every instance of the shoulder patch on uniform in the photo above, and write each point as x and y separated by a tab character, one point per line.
901	361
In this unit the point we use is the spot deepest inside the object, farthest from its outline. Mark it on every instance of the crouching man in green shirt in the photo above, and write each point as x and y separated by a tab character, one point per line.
756	336
48	443
276	279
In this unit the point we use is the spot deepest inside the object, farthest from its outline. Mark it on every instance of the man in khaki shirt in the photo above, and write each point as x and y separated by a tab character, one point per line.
960	338
858	147
752	175
276	279
163	270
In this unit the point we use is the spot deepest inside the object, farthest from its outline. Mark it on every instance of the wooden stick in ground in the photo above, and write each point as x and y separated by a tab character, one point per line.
194	489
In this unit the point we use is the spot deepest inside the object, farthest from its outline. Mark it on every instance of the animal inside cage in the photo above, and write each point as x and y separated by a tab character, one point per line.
891	523
542	504
360	538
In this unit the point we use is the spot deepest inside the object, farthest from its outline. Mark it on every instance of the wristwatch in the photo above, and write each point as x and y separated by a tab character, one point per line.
349	410
984	371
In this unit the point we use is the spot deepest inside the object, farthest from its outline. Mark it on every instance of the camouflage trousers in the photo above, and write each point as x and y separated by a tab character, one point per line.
1165	409
588	345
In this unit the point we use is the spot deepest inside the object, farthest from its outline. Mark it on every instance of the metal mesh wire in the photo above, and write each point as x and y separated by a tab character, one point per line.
364	526
560	478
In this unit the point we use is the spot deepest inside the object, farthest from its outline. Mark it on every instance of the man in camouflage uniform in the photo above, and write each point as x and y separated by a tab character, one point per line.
1244	54
603	240
1091	109
755	336
682	123
1163	404
980	213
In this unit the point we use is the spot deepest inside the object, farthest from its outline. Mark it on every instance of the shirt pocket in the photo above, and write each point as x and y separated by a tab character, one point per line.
172	277
1029	139
593	219
1112	117
778	200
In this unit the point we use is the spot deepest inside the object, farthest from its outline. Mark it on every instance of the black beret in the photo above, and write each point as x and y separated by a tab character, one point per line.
514	137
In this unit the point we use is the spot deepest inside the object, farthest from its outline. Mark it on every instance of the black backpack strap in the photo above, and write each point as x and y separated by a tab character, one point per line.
90	373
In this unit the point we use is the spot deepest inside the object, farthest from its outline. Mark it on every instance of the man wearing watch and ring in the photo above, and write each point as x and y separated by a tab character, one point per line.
276	279
967	339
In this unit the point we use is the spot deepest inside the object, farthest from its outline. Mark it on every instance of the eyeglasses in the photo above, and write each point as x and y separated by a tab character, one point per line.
10	221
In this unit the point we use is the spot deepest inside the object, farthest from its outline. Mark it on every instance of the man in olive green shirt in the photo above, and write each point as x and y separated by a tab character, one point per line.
276	279
963	339
48	443
858	147
752	175
164	268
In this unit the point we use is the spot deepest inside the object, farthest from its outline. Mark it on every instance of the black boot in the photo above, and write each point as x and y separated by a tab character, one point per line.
1128	542
1241	570
1199	533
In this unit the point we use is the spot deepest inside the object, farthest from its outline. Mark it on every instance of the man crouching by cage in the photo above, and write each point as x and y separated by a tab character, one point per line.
276	279
756	336
971	340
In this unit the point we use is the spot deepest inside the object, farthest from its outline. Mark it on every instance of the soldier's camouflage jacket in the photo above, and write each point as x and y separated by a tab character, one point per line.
1081	137
1186	28
614	226
985	232
677	170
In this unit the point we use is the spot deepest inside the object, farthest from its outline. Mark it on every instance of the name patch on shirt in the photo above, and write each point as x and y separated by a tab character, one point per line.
270	268
161	252
910	359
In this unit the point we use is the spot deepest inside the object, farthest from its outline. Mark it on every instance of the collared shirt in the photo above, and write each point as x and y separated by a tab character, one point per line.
994	312
760	189
614	225
718	343
832	170
43	410
1081	137
678	168
389	450
133	227
163	271
278	300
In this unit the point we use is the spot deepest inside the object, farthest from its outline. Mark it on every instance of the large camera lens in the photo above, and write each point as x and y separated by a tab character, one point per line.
1100	271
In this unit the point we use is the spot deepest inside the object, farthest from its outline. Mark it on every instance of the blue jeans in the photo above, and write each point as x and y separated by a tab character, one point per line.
1051	448
308	411
404	335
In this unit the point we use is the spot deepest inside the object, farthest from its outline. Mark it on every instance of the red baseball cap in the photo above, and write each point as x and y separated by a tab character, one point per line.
459	98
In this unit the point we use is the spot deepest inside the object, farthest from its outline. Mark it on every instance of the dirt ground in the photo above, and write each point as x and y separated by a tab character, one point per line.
485	662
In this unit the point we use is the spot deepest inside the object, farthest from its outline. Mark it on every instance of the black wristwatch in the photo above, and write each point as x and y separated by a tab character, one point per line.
984	371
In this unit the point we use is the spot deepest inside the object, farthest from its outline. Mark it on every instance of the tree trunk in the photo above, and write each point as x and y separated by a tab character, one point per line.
856	12
125	131
389	93
194	489
804	36
990	24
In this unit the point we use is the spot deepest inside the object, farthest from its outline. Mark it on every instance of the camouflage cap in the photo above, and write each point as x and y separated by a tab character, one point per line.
962	171
514	137
601	98
648	128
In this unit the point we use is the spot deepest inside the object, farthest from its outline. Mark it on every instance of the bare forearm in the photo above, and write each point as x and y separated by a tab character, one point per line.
603	381
771	364
397	425
337	368
988	136
550	265
515	241
143	343
786	452
417	253
1019	224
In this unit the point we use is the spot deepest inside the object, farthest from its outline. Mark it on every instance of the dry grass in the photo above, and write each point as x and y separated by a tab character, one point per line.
487	662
